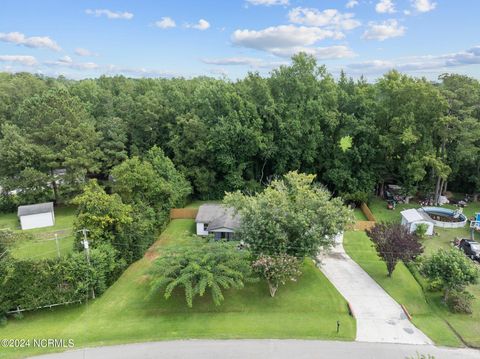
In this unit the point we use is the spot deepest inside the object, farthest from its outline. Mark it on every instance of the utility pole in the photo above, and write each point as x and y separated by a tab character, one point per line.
87	250
56	243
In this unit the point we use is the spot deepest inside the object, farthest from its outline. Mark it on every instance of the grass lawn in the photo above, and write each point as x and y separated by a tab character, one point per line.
402	286
379	209
359	216
127	312
42	244
198	203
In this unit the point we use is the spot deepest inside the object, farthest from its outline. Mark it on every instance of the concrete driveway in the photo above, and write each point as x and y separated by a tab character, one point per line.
379	317
278	349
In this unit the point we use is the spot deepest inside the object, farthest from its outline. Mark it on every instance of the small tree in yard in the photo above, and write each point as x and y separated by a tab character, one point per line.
394	242
452	269
277	270
199	268
293	215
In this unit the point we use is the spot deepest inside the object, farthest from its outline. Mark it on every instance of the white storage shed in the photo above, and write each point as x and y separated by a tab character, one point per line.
411	218
36	215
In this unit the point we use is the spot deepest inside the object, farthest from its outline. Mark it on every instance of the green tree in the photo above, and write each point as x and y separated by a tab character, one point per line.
451	269
199	269
63	133
277	270
293	215
153	181
393	243
104	215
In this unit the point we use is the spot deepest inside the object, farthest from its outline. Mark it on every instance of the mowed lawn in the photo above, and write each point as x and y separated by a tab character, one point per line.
429	312
402	286
42	245
127	312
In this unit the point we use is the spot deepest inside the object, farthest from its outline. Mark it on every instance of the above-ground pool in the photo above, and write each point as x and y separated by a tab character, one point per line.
444	217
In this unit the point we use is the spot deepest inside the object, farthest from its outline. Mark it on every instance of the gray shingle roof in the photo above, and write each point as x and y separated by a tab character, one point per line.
217	216
35	209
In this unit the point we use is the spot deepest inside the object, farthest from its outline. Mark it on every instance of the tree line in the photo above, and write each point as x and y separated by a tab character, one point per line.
237	135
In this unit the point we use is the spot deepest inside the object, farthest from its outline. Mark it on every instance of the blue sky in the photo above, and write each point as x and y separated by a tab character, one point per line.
188	38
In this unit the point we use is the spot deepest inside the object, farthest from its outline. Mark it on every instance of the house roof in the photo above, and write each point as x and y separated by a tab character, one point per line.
217	216
412	215
35	209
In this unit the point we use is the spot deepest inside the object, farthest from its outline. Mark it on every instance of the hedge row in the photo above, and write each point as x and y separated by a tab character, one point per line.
31	284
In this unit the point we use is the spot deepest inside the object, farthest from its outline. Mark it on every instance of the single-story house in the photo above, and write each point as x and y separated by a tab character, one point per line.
218	220
411	218
36	215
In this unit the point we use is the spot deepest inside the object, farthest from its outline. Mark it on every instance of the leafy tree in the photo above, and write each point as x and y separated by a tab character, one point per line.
63	133
451	269
200	268
104	215
113	143
277	270
153	181
293	215
394	242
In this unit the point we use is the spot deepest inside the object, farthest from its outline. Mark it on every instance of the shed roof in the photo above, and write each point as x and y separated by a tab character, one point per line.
412	215
35	209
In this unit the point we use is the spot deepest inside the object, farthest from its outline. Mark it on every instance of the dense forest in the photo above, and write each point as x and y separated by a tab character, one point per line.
226	135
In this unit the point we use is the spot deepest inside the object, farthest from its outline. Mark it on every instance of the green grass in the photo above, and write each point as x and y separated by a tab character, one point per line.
42	249
308	308
198	203
42	244
428	311
402	286
359	215
379	209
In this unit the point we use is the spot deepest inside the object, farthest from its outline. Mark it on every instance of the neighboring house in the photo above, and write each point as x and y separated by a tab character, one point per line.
218	220
411	218
36	215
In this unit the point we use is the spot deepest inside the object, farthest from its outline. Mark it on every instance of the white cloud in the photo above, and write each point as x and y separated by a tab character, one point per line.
244	61
66	61
233	61
420	63
385	6
34	41
330	18
84	52
384	30
321	53
165	23
351	4
19	59
268	2
110	14
201	25
424	5
278	39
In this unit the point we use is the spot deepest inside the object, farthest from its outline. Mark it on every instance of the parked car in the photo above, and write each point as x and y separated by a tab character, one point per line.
470	248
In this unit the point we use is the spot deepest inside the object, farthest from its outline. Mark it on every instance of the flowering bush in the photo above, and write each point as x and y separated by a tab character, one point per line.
277	270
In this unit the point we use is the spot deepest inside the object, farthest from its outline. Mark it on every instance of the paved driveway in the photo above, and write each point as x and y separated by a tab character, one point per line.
264	349
379	317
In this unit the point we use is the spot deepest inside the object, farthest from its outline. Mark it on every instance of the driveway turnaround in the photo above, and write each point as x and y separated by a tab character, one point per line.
379	317
278	349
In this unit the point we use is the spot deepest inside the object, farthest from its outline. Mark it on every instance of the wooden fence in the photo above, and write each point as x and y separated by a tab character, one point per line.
366	211
183	213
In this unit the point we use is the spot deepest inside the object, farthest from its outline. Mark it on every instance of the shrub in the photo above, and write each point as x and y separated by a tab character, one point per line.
201	268
452	269
277	270
421	230
460	302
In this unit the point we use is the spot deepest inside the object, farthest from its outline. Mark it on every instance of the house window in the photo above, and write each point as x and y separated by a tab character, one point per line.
205	226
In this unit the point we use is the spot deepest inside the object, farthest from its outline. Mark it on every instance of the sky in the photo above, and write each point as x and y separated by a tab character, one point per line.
229	38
